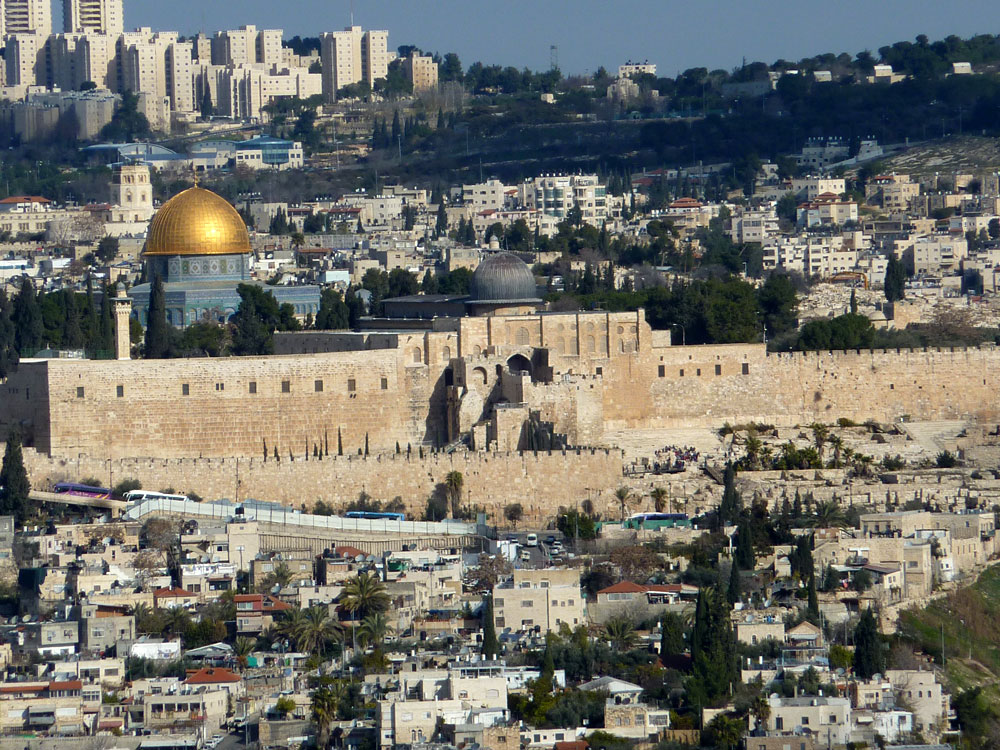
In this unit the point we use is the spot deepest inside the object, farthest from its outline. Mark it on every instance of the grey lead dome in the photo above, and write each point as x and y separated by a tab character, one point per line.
503	278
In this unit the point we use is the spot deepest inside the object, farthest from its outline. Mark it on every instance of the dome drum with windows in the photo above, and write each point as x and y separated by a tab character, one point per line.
199	247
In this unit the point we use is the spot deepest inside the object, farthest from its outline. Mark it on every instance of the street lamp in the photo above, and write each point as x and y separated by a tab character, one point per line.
683	332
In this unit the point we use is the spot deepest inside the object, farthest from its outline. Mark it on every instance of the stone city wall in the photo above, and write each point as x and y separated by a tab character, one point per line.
541	482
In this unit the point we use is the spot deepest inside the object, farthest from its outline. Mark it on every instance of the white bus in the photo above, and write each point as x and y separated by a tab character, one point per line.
137	496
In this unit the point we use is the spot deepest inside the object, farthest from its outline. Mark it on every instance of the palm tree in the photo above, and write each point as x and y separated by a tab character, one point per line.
317	630
624	496
453	482
325	707
760	709
242	649
829	514
728	732
176	621
838	448
752	447
298	240
364	595
821	434
374	629
143	615
620	631
661	498
290	624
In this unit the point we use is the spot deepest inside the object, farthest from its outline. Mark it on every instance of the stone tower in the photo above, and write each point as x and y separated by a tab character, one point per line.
123	311
132	192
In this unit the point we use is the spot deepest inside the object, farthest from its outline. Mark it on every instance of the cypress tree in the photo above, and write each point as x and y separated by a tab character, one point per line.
29	330
672	635
812	610
157	331
14	484
106	333
491	646
93	323
733	593
72	332
869	655
8	347
441	225
744	555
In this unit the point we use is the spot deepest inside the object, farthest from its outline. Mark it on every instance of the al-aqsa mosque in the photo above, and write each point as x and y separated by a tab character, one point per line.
198	245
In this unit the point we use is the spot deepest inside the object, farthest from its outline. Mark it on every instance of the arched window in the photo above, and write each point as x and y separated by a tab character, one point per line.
479	376
477	350
591	345
446	353
417	356
523	337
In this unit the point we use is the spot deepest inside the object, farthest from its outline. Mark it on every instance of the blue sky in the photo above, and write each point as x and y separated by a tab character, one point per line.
675	35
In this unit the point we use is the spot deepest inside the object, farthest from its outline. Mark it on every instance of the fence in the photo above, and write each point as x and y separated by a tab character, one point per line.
224	511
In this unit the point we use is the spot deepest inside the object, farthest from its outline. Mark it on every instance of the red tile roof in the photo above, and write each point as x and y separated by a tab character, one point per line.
625	587
212	676
68	685
25	199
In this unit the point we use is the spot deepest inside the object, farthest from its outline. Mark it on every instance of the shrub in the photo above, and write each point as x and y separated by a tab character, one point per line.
127	485
946	460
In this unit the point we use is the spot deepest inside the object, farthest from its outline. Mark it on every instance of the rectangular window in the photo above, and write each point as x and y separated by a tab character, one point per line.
385	384
682	372
253	386
286	386
661	371
805	721
698	372
746	368
779	723
220	386
79	392
185	389
600	370
120	391
351	385
718	369
318	385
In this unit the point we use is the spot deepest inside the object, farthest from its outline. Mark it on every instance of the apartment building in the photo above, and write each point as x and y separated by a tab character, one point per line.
489	195
827	719
352	56
540	600
54	707
557	195
809	188
932	254
893	192
26	17
826	210
94	16
247	46
421	71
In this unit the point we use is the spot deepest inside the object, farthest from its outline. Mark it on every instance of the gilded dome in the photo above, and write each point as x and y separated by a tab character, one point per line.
503	277
197	222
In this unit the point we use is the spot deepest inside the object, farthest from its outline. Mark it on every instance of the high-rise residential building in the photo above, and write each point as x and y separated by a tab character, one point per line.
351	56
26	17
375	56
77	58
247	46
422	72
158	65
96	16
24	59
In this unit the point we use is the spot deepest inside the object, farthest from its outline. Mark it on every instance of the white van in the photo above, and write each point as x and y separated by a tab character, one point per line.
531	540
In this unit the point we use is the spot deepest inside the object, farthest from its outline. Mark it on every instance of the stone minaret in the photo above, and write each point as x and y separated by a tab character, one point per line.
123	310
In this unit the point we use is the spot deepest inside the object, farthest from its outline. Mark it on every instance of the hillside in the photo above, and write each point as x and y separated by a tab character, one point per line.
967	621
962	154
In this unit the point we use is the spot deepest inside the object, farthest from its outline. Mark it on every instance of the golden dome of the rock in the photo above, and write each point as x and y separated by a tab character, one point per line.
197	222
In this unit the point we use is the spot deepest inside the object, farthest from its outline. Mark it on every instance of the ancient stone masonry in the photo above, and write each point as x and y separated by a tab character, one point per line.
539	481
